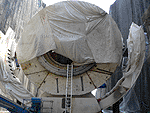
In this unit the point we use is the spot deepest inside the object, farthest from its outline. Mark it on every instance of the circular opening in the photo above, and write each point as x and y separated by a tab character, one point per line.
59	58
57	64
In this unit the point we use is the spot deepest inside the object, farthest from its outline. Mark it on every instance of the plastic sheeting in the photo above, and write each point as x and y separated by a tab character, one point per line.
11	84
136	55
78	30
135	44
16	13
136	52
124	12
130	101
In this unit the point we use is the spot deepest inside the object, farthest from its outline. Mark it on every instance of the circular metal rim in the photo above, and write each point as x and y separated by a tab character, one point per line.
78	70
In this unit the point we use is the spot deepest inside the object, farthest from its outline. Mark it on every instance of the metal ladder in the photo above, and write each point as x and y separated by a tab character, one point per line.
68	99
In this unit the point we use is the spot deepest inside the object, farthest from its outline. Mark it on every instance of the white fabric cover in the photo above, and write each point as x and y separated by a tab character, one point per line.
10	85
136	55
136	46
78	30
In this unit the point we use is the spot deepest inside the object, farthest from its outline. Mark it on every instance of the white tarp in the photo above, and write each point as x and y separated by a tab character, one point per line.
78	30
136	46
11	85
136	55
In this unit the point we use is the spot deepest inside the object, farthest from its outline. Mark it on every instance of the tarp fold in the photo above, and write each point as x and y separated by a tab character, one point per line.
78	30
